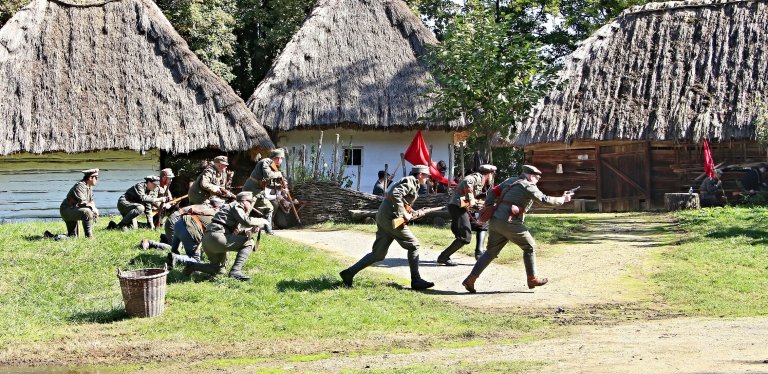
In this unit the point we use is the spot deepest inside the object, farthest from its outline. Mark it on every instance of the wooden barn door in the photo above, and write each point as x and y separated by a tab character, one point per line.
624	179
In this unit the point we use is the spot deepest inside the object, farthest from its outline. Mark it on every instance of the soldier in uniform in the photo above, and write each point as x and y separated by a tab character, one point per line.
211	182
399	195
466	191
138	200
265	174
166	178
229	231
189	226
517	195
79	205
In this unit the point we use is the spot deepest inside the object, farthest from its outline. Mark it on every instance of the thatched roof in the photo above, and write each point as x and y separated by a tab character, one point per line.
664	71
354	63
91	75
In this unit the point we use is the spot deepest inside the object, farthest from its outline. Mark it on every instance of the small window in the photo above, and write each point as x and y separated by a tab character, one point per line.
353	157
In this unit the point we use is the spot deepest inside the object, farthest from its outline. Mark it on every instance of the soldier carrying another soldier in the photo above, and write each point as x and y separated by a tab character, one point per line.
79	206
211	182
515	196
399	198
229	231
138	200
462	199
265	174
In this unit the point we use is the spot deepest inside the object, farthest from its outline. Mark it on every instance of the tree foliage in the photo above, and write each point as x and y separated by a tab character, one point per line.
486	73
8	8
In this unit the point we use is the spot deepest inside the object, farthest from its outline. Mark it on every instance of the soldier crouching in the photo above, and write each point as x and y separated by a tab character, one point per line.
229	231
79	205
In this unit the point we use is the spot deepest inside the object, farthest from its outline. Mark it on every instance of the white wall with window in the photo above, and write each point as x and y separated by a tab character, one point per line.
371	150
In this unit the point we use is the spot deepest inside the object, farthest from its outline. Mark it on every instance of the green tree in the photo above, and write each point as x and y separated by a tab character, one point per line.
487	75
8	8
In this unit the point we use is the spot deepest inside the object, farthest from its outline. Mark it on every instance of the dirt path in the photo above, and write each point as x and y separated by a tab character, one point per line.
591	268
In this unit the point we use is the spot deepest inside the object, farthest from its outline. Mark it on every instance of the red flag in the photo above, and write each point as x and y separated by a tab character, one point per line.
418	154
709	164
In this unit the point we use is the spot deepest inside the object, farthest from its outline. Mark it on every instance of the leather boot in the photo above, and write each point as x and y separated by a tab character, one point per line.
240	259
88	228
469	283
129	220
445	257
481	235
151	244
347	277
534	281
416	282
72	228
529	259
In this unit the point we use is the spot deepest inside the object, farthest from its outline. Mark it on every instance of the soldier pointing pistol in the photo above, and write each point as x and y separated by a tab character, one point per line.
515	197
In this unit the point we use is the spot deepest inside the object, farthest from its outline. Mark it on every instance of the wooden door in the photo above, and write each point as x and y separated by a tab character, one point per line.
623	176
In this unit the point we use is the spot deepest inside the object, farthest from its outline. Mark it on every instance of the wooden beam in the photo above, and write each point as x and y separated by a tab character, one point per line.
648	167
599	174
625	178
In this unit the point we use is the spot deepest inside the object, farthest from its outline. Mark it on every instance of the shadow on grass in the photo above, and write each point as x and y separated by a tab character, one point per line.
316	284
156	260
33	238
100	316
760	236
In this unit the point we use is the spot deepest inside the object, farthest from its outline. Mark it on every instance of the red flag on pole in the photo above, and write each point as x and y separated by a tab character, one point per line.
709	164
418	154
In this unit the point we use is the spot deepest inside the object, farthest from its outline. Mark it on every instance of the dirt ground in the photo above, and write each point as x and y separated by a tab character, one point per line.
592	276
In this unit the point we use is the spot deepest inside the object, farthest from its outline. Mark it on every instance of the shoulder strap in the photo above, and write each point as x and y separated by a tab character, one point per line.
504	192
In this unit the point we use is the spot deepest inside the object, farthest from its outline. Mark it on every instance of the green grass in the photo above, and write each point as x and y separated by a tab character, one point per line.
545	228
68	291
720	267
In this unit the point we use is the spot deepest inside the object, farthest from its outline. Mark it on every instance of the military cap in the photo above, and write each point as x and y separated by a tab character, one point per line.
530	169
167	172
277	153
90	172
152	178
487	168
245	195
221	160
215	201
718	172
420	169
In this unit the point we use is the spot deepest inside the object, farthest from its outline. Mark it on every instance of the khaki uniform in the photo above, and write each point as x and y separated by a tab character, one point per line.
136	201
207	184
221	236
190	228
75	208
401	193
262	176
504	228
468	188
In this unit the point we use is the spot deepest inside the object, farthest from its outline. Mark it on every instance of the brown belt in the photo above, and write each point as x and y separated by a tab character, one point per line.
199	223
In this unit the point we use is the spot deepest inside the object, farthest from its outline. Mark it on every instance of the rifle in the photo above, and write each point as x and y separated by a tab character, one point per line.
399	222
157	213
573	190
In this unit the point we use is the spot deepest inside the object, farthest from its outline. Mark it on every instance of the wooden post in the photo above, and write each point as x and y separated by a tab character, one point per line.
359	170
288	168
433	188
599	177
461	155
649	166
402	162
303	161
450	165
335	157
317	156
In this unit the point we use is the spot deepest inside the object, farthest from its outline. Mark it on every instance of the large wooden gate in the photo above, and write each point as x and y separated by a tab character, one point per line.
623	177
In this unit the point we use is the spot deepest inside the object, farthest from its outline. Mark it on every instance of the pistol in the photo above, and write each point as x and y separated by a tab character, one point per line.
572	190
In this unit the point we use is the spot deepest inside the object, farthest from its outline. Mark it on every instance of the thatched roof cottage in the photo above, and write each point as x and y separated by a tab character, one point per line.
94	75
354	68
637	98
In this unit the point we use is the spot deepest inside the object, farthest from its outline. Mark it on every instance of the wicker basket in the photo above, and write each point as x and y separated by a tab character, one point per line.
143	291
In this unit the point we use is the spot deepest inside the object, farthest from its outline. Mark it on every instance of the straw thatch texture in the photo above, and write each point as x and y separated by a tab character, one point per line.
354	63
663	71
88	75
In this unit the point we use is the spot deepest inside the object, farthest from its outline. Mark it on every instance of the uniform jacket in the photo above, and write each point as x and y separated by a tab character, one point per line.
709	186
208	183
231	217
139	194
378	188
262	172
469	187
522	194
405	191
78	196
204	213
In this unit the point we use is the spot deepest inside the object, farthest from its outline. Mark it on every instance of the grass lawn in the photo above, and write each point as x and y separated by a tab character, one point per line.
67	293
720	265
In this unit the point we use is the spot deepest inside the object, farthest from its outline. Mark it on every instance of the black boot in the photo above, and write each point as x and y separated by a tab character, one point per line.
347	277
71	228
240	259
416	282
151	244
481	235
445	257
88	228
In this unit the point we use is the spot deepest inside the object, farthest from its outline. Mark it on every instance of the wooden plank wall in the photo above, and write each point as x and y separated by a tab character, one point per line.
33	186
673	167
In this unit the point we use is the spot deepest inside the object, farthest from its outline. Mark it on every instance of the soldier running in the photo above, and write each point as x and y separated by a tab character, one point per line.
516	196
462	199
399	195
265	174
